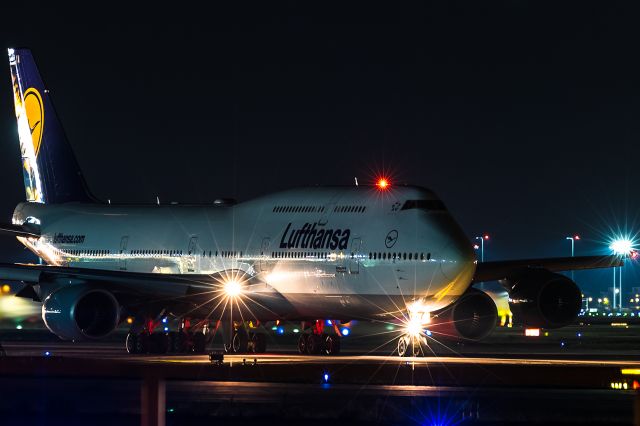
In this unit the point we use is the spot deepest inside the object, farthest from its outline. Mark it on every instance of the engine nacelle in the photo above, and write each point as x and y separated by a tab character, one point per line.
472	317
542	298
80	312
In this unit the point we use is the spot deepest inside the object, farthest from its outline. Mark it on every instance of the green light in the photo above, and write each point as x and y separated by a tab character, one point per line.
274	328
390	328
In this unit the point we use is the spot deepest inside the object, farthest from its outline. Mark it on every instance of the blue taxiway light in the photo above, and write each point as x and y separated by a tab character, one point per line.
325	377
280	330
166	329
164	320
47	353
345	331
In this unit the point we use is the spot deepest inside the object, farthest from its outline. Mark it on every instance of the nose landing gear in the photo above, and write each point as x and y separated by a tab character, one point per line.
411	345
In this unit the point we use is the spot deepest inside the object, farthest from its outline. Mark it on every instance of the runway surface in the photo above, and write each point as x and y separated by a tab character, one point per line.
509	381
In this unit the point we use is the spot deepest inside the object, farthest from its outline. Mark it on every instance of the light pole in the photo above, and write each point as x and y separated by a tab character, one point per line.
623	247
484	237
573	241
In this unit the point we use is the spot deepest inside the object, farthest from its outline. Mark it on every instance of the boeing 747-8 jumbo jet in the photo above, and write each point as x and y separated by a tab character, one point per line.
377	252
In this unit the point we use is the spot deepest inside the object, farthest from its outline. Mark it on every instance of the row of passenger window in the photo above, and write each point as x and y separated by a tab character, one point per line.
349	209
298	209
399	256
88	252
298	255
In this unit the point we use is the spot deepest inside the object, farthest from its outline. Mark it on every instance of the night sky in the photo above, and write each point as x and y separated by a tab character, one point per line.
524	117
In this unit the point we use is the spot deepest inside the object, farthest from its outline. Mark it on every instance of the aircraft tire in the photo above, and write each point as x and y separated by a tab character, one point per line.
403	346
331	344
159	343
259	343
302	344
131	343
240	341
314	344
199	343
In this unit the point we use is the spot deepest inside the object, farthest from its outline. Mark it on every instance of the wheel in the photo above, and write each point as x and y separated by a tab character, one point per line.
173	342
403	346
302	343
416	347
142	343
199	343
331	344
131	343
240	341
259	341
158	343
314	344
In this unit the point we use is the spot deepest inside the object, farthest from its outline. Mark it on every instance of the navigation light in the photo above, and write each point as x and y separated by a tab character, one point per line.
382	183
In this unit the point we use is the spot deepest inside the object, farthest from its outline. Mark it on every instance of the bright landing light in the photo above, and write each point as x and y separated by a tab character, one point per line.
232	288
414	326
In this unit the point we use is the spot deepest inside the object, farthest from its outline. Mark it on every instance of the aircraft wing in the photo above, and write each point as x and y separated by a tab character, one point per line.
136	289
491	271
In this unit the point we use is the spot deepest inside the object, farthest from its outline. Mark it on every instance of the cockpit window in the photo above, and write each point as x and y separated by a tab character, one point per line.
428	205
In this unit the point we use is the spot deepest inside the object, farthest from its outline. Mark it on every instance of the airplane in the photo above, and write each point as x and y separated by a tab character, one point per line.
377	252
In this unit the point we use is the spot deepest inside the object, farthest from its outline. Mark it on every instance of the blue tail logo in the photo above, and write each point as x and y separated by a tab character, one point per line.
51	172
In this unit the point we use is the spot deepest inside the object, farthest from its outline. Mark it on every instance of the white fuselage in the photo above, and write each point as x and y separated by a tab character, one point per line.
355	251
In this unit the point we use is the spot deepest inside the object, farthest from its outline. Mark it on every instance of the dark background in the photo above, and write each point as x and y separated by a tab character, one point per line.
522	115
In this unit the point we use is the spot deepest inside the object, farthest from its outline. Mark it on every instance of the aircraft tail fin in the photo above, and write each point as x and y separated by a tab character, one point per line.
51	171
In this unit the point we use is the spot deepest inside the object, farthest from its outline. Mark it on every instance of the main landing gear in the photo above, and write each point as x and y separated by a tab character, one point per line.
188	339
318	342
243	341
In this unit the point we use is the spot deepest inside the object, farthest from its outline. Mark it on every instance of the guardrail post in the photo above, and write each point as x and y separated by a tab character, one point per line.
153	401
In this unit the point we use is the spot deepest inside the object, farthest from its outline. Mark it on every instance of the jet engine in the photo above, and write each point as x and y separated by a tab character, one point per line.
80	312
541	298
472	317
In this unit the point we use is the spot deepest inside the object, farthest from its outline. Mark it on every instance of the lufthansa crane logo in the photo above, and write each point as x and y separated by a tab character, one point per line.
35	116
391	238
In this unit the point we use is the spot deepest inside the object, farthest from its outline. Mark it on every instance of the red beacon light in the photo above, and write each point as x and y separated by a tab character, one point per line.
382	183
486	236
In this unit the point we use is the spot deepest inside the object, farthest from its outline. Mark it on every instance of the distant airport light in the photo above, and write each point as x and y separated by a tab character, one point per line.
130	320
622	246
576	237
232	288
18	327
532	332
382	183
485	236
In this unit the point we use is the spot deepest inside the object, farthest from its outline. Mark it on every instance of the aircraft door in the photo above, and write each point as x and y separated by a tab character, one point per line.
354	256
124	241
264	253
191	254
